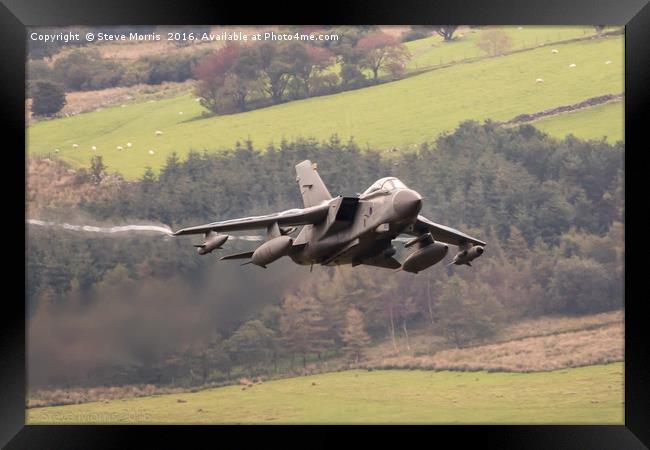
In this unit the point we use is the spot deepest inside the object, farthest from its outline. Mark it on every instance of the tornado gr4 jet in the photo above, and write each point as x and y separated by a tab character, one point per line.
345	230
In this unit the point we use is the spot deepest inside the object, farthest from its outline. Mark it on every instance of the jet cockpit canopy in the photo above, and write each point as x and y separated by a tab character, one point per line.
387	184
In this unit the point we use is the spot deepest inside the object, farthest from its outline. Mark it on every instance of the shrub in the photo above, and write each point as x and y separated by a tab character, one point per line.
581	285
38	70
136	73
351	76
168	68
417	32
86	69
47	98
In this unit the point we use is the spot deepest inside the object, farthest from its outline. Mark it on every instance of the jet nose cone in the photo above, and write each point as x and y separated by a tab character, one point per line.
407	203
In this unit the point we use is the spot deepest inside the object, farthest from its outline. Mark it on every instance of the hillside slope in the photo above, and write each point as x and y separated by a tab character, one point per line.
391	115
433	51
590	123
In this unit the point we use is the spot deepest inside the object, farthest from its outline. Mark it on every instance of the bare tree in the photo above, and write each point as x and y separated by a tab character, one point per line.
354	335
494	42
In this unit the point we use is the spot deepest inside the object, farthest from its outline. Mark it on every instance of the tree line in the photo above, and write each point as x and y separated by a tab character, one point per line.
239	77
235	77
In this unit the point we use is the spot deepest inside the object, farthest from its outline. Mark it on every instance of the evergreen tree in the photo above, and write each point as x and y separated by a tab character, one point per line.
97	169
303	327
251	343
516	246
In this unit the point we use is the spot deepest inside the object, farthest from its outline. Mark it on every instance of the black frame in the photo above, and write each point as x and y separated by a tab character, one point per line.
16	15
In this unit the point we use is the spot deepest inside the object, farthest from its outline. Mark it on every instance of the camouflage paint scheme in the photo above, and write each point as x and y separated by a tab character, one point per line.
345	230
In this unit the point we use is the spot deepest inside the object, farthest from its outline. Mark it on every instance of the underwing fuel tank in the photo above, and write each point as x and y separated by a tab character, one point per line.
425	257
212	241
272	250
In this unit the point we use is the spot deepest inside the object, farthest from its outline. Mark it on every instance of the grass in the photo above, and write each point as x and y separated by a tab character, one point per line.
434	51
543	353
398	114
592	123
586	395
561	329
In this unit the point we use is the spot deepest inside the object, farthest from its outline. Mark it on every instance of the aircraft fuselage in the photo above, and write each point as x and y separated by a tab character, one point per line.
364	231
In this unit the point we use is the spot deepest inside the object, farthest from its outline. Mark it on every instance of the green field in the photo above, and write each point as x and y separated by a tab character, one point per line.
586	395
591	123
435	51
398	114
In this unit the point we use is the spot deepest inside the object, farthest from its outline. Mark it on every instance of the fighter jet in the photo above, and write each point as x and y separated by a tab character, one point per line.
352	230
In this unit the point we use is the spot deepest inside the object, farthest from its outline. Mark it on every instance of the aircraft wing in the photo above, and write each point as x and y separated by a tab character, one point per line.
444	233
290	217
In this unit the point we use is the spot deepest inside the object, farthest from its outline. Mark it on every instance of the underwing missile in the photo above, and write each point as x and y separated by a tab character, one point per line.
212	241
468	255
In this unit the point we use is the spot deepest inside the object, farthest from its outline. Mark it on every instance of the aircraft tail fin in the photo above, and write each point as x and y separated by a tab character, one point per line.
312	188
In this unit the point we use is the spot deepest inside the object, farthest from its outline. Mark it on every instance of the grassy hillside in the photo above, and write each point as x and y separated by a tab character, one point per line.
591	123
587	395
434	50
390	115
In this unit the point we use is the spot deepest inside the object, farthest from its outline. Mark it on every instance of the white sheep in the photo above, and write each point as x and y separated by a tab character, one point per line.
93	147
572	65
180	112
539	80
128	144
119	147
56	150
151	152
608	62
555	50
158	132
75	145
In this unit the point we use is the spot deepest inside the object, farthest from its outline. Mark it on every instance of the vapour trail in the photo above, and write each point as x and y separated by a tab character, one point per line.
93	229
123	229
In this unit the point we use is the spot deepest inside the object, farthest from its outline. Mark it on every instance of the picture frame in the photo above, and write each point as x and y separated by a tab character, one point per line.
16	15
